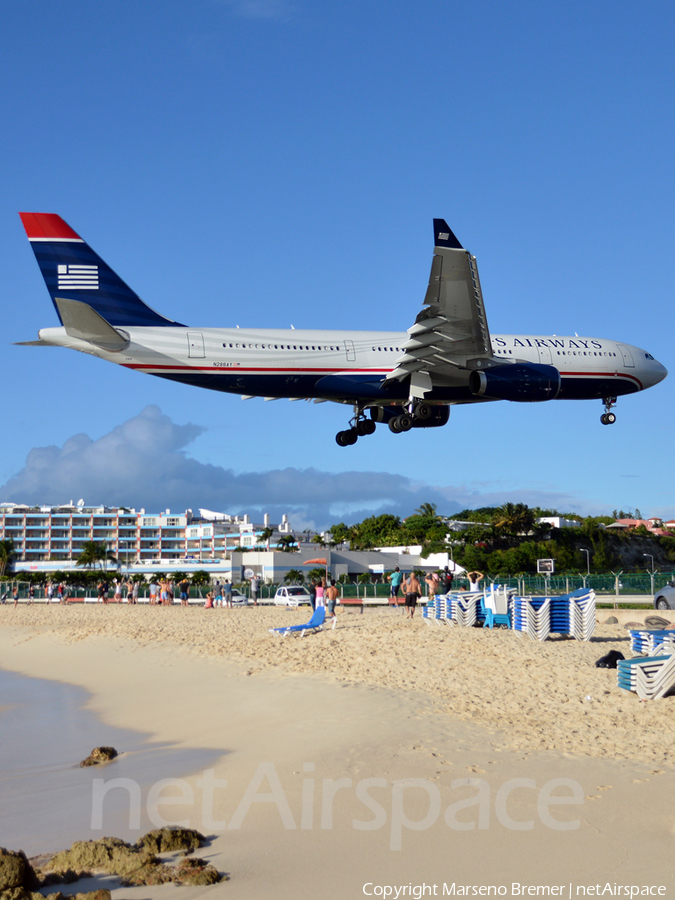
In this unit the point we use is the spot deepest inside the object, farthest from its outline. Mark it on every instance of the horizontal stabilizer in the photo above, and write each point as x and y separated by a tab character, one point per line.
84	323
32	344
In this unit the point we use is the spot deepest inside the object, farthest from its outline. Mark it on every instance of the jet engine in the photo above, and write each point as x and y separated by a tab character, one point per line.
521	382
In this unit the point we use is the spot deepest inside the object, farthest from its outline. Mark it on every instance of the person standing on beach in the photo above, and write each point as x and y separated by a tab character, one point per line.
396	578
432	582
413	591
474	581
184	588
15	594
312	592
153	592
31	595
254	589
320	589
49	591
227	592
331	600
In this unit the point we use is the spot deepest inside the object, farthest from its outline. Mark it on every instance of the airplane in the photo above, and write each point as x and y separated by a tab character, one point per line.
404	379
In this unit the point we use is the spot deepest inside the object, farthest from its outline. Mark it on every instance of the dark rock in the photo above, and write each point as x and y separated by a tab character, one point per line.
610	660
109	854
612	620
168	840
197	871
20	893
99	755
16	871
657	622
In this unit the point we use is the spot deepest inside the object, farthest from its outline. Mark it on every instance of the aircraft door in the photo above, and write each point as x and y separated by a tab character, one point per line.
627	356
545	355
351	352
196	345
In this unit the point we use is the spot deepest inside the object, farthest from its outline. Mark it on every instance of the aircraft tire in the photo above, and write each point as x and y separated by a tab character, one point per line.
611	418
342	439
369	426
405	422
423	412
393	425
603	418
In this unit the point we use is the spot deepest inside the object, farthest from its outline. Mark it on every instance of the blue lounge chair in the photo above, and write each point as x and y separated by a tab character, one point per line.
315	624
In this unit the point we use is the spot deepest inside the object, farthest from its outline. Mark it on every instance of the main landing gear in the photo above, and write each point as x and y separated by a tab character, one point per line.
360	427
417	412
608	418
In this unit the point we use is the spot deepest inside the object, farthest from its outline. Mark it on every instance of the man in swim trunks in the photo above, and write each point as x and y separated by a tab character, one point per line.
413	591
331	599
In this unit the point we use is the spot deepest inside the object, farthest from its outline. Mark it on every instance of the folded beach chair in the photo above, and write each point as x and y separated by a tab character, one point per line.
464	609
627	670
496	606
315	624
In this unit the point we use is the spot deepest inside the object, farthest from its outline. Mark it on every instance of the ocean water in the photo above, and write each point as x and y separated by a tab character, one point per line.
45	797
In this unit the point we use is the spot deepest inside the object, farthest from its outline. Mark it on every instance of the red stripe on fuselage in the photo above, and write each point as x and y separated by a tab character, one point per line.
602	375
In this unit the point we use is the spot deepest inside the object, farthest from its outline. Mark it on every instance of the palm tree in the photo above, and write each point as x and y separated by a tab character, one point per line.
94	552
288	544
514	518
7	554
427	509
265	536
294	576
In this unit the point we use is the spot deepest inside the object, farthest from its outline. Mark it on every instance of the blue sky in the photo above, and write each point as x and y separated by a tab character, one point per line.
268	163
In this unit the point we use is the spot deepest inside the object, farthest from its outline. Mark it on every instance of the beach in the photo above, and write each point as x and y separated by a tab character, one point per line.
385	752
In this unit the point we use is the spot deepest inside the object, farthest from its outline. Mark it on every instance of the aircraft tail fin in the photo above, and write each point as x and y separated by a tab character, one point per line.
72	271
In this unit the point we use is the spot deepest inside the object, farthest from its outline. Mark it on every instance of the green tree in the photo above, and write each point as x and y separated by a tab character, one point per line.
427	509
288	544
265	536
200	578
7	555
294	576
94	553
514	519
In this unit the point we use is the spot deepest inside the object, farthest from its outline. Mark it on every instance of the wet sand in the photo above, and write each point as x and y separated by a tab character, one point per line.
347	754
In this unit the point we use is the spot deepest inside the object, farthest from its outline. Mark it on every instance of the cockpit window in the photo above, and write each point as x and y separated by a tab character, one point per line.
648	356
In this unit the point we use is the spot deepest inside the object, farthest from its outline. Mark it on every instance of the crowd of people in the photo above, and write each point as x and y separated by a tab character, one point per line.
322	591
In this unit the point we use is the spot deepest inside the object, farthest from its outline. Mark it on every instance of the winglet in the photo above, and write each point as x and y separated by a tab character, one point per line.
443	236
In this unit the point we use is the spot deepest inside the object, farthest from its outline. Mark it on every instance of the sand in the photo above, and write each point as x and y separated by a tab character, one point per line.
347	753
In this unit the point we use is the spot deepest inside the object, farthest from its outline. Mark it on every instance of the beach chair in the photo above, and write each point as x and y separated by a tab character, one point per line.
496	608
315	624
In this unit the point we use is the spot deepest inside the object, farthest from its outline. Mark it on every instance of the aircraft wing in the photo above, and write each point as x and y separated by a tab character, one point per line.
451	332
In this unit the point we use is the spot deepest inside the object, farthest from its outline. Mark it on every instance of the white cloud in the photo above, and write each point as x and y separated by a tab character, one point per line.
143	463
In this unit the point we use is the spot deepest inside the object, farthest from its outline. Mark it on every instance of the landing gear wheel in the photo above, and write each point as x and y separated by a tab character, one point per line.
608	418
423	412
346	438
404	422
364	427
393	425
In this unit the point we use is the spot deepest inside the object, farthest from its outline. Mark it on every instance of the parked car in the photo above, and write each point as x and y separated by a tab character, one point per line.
664	598
238	597
293	595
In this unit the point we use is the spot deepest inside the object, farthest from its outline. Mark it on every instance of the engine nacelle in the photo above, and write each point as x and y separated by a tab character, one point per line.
521	382
439	415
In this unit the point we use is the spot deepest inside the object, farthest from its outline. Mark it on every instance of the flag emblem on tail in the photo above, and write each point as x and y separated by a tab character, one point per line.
78	278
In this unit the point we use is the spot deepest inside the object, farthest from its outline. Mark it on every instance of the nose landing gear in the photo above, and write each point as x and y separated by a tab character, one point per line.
608	418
